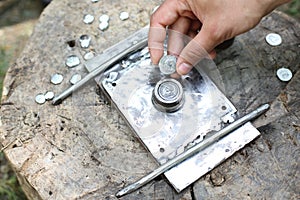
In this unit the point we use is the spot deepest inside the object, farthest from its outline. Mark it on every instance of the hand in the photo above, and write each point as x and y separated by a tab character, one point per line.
208	22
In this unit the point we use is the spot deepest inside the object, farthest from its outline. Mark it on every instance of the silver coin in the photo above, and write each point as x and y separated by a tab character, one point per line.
104	18
89	55
72	61
40	98
284	74
103	26
57	79
88	19
49	95
273	39
168	95
168	91
124	15
94	1
85	41
167	64
75	78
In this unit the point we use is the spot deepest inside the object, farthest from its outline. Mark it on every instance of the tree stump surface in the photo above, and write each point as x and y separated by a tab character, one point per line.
82	148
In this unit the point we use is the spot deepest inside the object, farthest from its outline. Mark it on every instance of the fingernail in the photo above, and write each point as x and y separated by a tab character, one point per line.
184	68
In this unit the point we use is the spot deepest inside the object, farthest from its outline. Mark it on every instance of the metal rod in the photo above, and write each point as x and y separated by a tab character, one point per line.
98	70
193	150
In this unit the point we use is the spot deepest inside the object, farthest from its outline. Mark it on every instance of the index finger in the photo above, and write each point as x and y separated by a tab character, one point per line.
167	14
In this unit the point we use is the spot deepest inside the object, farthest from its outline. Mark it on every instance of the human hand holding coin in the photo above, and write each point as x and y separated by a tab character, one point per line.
208	23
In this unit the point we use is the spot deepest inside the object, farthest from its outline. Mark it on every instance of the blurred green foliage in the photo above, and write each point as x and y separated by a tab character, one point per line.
5	58
9	187
292	9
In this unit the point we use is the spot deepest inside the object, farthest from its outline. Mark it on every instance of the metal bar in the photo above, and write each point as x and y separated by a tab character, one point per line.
135	46
193	150
116	49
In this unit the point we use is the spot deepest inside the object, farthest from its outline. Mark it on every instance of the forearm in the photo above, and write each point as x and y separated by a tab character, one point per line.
270	5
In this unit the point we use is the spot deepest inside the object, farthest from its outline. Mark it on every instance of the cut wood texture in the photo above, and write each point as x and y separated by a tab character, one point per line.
82	149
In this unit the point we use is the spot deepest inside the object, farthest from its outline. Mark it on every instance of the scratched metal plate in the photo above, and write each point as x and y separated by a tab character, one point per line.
167	134
129	85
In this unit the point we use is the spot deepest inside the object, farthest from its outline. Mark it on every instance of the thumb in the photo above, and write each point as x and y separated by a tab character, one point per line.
194	51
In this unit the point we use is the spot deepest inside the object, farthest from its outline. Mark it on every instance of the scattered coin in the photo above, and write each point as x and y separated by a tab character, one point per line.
124	15
88	19
104	18
72	61
75	78
40	98
284	74
89	55
273	39
49	95
167	64
103	25
85	41
57	79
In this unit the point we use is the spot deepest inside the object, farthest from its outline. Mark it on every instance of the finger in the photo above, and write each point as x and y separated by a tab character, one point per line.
165	15
213	54
161	18
176	34
156	43
196	50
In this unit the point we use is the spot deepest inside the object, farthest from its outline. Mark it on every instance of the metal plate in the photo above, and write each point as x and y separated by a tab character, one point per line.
166	135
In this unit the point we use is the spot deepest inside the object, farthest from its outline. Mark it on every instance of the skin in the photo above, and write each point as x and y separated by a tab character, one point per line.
207	22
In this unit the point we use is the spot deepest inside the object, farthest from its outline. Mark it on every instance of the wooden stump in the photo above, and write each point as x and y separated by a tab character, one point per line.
82	149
